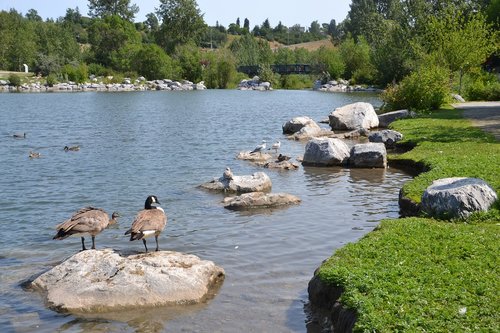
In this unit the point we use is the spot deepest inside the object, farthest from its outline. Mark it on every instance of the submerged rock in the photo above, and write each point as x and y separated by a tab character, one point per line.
254	157
103	280
282	165
260	200
457	197
258	182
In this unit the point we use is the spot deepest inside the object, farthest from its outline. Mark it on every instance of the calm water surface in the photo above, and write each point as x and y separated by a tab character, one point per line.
167	143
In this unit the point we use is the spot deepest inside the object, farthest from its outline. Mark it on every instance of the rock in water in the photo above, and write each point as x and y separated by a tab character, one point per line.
260	200
257	182
103	280
326	152
354	116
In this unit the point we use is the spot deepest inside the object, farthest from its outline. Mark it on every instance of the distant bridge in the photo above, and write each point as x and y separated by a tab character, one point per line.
280	69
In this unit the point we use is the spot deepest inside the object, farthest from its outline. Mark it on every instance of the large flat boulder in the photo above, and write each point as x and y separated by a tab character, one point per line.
457	197
260	200
354	116
104	280
368	155
326	152
257	182
385	119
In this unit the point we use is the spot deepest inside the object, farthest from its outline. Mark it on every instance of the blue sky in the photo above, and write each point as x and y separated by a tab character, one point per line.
289	12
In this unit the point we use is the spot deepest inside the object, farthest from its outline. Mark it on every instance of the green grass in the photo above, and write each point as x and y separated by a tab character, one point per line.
447	146
418	274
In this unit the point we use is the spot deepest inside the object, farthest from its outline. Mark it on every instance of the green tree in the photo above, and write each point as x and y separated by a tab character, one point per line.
121	8
357	60
32	15
251	51
107	36
182	22
219	69
329	63
458	41
189	58
152	62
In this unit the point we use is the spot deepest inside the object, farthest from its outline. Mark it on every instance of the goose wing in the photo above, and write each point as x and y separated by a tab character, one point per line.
148	220
86	220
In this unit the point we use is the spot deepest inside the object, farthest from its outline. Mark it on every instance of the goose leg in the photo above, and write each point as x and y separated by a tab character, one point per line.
83	244
93	242
157	247
144	241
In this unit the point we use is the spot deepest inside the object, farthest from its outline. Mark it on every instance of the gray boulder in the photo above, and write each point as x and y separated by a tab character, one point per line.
260	200
368	155
354	116
298	123
457	197
103	280
385	119
282	165
387	137
258	182
326	152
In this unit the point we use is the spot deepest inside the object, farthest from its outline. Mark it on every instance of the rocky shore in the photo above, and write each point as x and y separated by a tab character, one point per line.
127	85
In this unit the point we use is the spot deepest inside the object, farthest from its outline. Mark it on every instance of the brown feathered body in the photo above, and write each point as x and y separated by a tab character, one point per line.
87	221
148	222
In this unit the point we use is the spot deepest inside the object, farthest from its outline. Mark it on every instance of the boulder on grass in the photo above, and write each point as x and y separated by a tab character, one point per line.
260	200
103	280
457	197
385	119
326	152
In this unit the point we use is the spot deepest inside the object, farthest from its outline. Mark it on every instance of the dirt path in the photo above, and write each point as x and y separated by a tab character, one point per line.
485	115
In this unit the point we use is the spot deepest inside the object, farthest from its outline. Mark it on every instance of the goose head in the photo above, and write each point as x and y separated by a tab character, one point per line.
152	199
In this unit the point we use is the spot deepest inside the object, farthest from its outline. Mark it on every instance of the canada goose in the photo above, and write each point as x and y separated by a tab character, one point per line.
228	174
19	135
87	221
259	148
71	148
34	154
148	222
276	146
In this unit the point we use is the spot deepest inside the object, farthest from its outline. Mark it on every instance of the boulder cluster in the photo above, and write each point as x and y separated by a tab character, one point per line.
98	85
255	84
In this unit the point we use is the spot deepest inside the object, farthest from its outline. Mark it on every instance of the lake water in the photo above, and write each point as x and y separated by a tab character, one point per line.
167	143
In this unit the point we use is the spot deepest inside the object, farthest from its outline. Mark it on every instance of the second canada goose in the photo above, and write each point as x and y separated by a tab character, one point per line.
148	222
71	148
87	221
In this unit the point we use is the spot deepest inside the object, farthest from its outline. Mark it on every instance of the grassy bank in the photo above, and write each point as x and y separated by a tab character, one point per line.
425	275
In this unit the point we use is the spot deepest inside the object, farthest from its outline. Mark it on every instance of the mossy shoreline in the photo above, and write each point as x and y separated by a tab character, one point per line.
416	273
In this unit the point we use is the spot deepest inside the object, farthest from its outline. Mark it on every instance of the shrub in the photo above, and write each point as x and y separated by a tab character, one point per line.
424	90
51	79
482	87
295	81
14	80
78	73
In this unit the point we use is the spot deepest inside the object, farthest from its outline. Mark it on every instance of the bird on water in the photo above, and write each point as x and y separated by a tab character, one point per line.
87	221
148	222
71	148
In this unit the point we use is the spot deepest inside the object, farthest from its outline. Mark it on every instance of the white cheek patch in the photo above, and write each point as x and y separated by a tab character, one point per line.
159	208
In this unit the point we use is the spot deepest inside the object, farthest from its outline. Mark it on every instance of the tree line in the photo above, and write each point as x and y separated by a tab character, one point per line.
381	42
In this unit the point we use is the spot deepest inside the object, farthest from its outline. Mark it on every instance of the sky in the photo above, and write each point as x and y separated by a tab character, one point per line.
289	12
